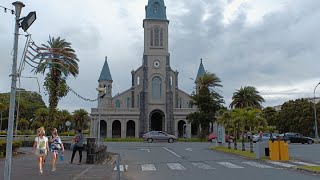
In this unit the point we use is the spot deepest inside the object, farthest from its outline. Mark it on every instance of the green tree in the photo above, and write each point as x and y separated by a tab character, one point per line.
254	119
270	114
81	119
297	116
23	124
246	96
41	119
61	63
208	101
225	119
63	117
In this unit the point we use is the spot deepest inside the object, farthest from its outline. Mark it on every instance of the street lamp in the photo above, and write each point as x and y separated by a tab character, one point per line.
27	21
315	112
100	90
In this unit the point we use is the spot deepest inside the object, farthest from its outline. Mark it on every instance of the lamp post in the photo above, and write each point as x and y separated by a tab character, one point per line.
315	112
26	23
100	90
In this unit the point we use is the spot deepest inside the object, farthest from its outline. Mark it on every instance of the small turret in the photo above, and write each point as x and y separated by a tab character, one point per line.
105	81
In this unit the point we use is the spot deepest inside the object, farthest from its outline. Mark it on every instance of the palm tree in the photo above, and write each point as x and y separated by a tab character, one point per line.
63	117
225	118
61	61
254	119
81	119
246	96
208	80
239	116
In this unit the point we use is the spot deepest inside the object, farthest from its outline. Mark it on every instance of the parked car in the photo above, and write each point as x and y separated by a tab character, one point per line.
297	138
158	136
265	137
212	136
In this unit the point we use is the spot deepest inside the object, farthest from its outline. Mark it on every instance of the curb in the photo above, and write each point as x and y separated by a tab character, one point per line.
306	170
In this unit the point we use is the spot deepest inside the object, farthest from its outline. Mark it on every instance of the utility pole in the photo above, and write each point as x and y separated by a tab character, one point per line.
7	168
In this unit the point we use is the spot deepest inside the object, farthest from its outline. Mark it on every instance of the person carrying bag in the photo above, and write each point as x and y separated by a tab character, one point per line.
56	147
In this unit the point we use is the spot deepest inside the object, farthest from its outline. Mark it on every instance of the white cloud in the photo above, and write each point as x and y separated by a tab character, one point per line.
268	44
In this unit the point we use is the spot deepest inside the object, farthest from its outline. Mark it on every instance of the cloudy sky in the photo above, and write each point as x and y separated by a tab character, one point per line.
273	45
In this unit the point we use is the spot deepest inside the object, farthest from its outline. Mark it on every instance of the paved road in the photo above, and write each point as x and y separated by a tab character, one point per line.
159	161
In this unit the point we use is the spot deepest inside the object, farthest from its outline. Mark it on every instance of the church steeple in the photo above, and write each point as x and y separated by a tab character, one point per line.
105	74
201	70
156	10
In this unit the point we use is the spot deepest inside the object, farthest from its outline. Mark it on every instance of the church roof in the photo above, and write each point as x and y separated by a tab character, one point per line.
156	10
201	70
105	73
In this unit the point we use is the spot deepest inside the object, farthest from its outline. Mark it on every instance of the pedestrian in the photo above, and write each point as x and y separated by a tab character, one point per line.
78	145
41	148
56	147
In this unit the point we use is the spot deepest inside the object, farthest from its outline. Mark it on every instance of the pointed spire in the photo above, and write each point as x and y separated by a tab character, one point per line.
156	10
201	70
105	73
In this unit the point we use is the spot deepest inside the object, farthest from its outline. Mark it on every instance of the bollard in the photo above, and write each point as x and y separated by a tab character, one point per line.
118	167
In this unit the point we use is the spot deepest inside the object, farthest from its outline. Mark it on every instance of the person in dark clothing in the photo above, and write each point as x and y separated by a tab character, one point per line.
78	145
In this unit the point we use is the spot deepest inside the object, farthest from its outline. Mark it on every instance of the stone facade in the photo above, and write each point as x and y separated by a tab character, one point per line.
154	100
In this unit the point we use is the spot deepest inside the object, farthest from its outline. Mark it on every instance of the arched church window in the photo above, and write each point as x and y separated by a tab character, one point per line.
156	87
117	104
109	90
156	37
170	80
138	81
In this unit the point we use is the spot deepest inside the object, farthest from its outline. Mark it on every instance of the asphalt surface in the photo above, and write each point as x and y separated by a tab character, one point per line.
189	161
25	166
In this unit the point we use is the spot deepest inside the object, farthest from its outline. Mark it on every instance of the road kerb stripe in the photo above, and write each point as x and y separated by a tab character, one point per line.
148	167
229	165
304	163
175	166
281	164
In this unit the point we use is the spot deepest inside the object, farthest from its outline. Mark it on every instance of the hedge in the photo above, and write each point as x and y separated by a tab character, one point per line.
15	146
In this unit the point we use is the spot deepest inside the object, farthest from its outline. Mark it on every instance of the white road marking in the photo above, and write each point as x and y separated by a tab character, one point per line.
172	152
176	166
255	164
122	168
83	172
189	149
145	150
281	164
229	165
148	167
203	166
304	163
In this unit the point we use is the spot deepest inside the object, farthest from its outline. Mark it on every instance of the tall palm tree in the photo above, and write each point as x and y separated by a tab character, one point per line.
208	80
81	118
246	96
61	61
63	117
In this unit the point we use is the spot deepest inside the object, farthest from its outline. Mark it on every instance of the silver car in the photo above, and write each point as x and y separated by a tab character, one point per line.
159	136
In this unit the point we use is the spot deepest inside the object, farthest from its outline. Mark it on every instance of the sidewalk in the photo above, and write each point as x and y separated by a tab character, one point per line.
25	166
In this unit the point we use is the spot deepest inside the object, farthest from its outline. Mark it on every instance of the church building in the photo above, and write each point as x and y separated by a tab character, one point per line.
154	100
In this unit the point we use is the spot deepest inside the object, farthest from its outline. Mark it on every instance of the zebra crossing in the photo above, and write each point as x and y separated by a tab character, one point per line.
216	165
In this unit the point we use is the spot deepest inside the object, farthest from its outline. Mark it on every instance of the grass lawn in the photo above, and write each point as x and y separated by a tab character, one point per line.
310	168
232	151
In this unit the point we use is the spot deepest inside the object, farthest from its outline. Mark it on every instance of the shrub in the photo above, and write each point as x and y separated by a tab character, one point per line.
3	132
15	146
28	132
70	133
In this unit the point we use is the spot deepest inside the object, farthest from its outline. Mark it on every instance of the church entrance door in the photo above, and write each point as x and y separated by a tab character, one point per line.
156	121
103	129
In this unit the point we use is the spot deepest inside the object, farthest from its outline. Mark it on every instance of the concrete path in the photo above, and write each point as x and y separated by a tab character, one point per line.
24	166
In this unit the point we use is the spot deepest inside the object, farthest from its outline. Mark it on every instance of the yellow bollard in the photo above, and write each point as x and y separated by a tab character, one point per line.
284	151
274	150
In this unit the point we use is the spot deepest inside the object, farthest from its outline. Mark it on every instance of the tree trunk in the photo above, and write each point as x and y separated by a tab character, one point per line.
235	139
243	145
251	142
